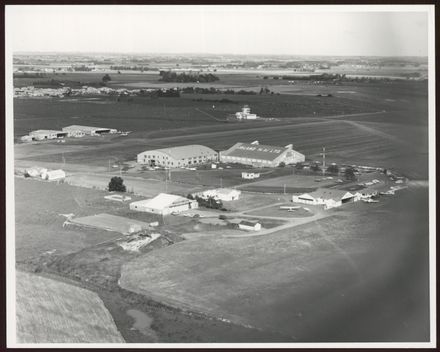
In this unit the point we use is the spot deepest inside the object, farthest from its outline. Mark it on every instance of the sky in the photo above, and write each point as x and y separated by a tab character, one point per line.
275	30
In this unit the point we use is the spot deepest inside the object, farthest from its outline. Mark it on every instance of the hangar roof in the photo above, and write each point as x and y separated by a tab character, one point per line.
45	132
84	128
255	151
185	151
161	201
327	193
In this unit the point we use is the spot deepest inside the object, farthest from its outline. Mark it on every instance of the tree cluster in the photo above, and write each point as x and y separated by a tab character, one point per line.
117	184
82	68
132	68
350	173
171	76
209	202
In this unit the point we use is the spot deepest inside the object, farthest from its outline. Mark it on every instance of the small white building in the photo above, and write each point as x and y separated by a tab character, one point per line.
118	197
330	198
53	175
224	194
164	204
26	138
249	226
245	114
250	175
35	171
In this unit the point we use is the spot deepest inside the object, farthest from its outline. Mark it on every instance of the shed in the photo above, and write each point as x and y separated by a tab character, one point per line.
249	226
53	175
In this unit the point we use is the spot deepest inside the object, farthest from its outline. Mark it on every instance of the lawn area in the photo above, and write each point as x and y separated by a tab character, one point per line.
277	212
248	201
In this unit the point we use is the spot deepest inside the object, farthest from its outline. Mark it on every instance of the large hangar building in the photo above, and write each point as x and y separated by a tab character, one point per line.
76	130
187	155
260	155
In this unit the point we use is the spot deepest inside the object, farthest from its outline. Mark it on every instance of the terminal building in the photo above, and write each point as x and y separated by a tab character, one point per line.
77	130
259	155
245	114
183	156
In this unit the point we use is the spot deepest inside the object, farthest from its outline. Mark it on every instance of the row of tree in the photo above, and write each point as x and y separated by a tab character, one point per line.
349	172
171	76
132	68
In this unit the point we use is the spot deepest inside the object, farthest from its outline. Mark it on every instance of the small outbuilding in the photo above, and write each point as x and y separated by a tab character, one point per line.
249	225
250	175
164	204
53	175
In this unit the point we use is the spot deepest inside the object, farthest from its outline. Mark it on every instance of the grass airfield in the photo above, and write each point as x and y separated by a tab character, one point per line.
337	278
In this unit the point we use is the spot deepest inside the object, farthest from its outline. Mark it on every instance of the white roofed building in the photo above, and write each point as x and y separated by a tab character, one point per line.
259	155
78	130
53	175
182	156
40	135
330	198
249	225
245	114
164	204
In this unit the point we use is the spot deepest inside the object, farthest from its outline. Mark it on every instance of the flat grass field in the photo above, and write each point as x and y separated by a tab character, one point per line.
50	311
343	278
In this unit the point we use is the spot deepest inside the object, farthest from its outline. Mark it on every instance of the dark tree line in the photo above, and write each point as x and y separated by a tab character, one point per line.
171	76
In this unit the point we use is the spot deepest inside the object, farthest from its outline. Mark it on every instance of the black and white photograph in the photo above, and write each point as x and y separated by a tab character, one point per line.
220	176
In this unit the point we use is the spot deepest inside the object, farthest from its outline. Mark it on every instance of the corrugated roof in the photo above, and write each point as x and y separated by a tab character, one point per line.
327	193
45	132
184	151
255	151
84	128
161	201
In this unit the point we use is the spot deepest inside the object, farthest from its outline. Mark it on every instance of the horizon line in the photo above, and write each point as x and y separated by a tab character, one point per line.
208	54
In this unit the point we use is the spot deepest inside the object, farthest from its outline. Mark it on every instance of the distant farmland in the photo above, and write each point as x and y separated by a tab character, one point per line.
190	110
50	311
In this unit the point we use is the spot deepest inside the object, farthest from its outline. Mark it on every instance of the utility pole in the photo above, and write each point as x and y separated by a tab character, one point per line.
166	182
323	160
